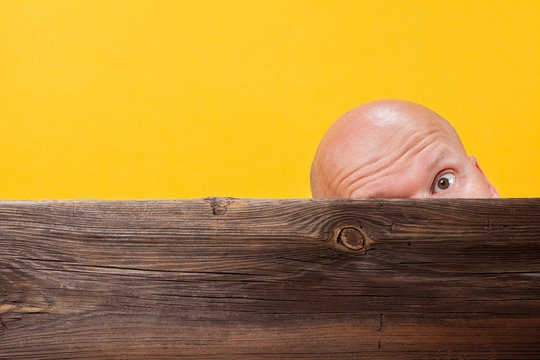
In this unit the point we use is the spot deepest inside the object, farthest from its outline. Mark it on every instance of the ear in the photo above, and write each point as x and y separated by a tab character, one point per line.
494	192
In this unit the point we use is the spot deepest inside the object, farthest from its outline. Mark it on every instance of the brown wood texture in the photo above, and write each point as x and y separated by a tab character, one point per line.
223	278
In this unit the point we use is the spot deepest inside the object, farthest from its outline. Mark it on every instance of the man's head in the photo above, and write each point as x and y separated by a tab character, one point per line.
395	149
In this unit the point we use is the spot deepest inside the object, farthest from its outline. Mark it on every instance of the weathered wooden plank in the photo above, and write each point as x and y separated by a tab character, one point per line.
226	278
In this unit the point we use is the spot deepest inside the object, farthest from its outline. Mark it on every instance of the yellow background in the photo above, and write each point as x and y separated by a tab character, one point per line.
181	99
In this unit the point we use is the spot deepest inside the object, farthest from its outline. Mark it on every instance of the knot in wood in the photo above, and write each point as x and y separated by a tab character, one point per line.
352	238
219	205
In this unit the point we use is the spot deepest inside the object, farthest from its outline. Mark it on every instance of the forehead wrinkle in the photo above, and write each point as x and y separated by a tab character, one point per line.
384	169
368	178
345	173
342	174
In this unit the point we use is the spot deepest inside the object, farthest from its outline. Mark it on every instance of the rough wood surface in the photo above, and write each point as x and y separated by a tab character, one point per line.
224	278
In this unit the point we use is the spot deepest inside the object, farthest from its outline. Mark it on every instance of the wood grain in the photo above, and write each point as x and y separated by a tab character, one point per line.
302	279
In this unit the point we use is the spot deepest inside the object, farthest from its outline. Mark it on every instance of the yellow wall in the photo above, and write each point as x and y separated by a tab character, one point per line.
180	99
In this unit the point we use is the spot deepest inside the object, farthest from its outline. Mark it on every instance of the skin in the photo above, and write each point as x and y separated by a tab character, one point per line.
395	149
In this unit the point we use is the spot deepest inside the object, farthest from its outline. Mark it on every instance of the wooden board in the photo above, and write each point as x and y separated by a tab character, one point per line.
226	278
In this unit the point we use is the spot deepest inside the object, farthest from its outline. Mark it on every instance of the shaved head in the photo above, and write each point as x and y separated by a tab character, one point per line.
395	149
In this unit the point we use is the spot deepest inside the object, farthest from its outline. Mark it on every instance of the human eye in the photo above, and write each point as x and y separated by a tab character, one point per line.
443	182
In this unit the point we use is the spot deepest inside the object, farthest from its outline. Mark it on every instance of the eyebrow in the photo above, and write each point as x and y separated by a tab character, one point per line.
441	156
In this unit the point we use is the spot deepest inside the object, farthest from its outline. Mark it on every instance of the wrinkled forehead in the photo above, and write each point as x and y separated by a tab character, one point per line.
360	145
399	177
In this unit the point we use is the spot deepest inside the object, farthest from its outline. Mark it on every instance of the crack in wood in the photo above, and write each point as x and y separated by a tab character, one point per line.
23	308
381	320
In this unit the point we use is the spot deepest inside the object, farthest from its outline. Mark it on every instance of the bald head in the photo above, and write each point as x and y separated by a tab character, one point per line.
395	149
